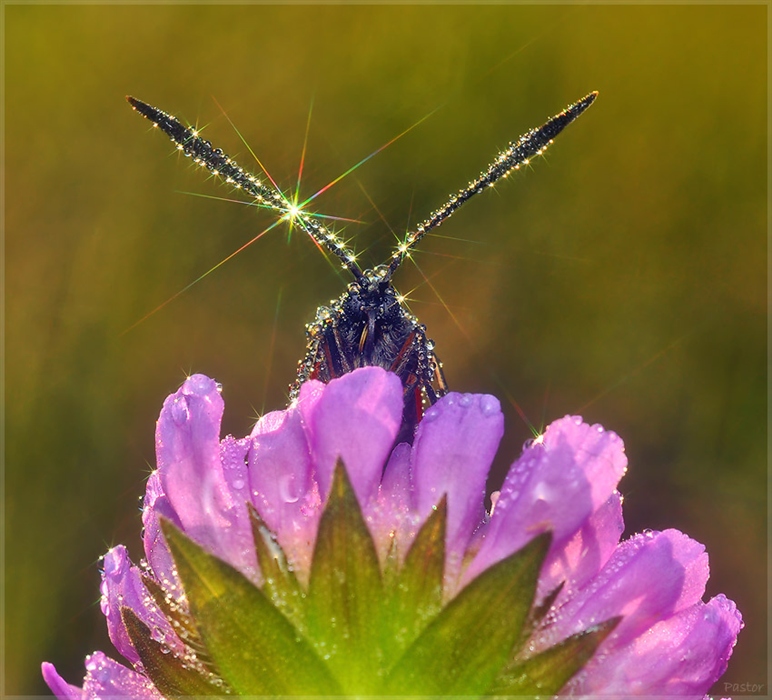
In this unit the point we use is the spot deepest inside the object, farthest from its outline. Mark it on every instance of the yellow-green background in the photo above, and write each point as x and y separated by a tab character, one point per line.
623	277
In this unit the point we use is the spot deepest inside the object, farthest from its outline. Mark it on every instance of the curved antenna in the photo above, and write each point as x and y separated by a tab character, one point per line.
518	153
218	163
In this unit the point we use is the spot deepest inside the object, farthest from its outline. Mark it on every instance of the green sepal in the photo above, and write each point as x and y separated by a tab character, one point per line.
546	673
180	620
279	581
414	593
465	647
169	674
255	648
345	591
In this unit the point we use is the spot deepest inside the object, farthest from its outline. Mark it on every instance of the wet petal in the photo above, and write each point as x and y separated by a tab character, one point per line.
356	418
122	587
106	678
682	655
192	474
155	506
650	577
188	454
454	447
559	481
57	684
586	553
281	480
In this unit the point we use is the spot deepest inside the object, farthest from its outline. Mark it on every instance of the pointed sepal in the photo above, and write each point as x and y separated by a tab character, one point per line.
345	592
465	647
279	581
414	593
255	648
546	673
172	676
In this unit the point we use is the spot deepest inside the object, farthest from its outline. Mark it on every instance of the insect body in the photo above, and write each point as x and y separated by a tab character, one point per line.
368	324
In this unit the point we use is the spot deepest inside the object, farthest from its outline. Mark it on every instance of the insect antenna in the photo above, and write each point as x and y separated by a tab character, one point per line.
220	164
518	153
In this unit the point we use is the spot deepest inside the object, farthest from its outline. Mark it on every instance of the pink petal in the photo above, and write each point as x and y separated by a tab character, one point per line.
155	506
649	578
122	587
106	679
683	655
560	480
282	484
454	447
58	686
581	558
190	464
119	580
356	418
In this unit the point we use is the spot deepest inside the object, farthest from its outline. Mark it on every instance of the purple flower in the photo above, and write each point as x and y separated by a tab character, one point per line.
613	618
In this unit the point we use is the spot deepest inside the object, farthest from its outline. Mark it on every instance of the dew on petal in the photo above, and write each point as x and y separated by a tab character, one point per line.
180	412
431	414
287	491
198	384
489	405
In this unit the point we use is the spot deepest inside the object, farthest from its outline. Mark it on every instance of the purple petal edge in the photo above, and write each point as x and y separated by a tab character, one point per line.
105	679
59	687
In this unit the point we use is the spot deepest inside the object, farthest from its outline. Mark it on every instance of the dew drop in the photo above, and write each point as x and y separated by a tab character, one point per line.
287	490
198	384
111	564
465	400
431	414
180	412
489	405
238	484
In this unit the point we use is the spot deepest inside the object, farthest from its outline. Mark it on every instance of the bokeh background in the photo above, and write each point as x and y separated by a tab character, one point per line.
623	277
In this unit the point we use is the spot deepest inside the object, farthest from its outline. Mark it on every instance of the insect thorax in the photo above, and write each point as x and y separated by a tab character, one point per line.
369	326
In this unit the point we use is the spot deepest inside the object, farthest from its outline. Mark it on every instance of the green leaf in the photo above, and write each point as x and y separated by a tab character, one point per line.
170	675
548	672
415	592
463	650
345	593
280	583
255	648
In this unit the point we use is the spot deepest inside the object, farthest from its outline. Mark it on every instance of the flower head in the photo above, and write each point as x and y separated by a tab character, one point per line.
315	557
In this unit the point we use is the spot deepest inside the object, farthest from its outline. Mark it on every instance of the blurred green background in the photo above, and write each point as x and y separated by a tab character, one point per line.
623	277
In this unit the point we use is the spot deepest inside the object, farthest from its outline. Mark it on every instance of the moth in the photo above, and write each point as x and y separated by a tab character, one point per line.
369	323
